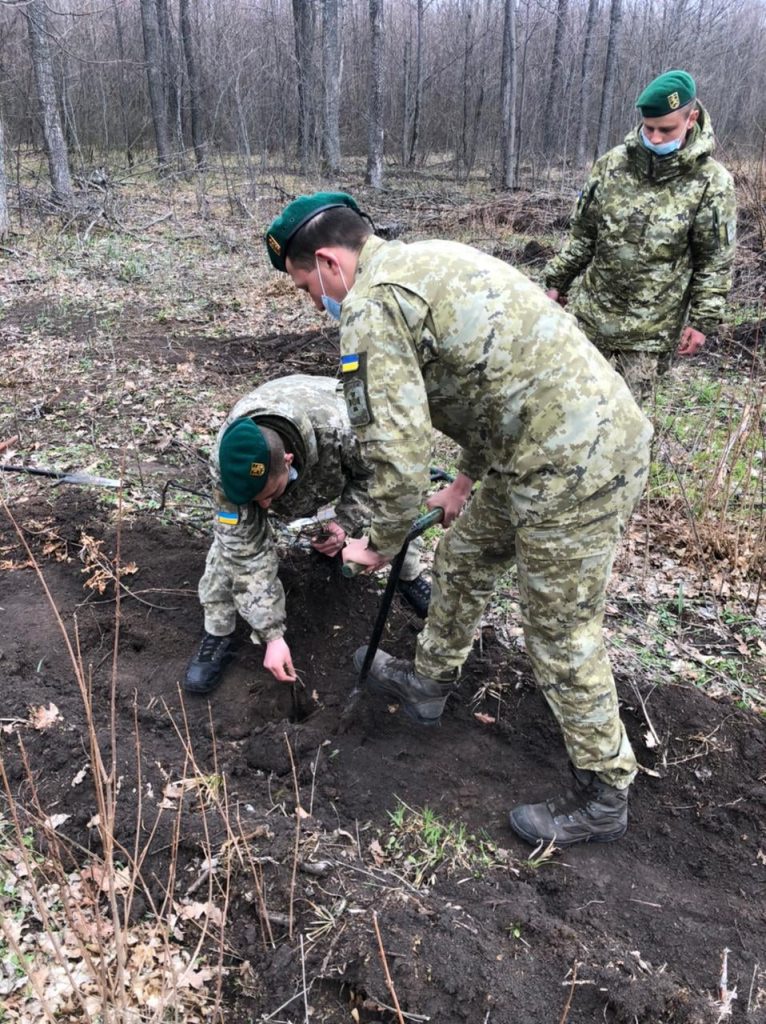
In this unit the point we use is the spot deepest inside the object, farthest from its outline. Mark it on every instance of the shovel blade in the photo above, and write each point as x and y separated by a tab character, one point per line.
86	478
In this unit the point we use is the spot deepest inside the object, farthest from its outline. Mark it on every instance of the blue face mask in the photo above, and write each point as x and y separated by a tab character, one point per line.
292	474
662	148
332	306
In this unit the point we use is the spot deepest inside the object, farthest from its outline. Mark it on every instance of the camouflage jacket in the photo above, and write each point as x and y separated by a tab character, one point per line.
439	334
311	414
654	241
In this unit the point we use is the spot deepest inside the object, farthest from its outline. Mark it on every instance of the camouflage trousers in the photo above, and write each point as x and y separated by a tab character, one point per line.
251	588
563	569
640	371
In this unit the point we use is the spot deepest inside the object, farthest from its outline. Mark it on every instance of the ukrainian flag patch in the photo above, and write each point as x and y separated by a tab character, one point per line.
227	518
349	363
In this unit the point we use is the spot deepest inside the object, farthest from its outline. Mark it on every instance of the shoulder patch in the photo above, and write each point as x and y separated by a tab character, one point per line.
227	517
354	369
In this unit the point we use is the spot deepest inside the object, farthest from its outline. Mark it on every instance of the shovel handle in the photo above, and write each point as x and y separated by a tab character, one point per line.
420	525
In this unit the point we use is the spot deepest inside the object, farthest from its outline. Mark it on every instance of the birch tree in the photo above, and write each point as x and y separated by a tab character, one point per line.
508	90
375	137
331	70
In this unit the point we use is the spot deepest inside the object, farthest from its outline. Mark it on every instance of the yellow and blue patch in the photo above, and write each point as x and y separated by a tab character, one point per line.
349	363
226	517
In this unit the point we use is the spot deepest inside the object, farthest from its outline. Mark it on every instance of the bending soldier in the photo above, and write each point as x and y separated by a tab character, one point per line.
439	334
287	446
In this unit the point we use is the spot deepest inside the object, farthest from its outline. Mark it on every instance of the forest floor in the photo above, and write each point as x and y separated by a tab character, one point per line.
242	859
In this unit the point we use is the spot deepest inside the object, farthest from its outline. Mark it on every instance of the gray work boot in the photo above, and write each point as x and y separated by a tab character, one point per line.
591	812
422	699
206	667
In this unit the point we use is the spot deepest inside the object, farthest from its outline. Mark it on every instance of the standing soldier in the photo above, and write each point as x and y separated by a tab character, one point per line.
287	446
653	238
439	334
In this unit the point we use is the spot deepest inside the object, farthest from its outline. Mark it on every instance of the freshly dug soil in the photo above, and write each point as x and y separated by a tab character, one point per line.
643	922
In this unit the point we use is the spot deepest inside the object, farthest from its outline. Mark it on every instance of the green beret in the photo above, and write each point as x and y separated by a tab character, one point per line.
244	458
299	212
667	93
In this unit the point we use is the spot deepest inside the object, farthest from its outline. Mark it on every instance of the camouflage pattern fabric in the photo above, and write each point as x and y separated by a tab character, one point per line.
241	569
640	371
563	571
436	334
653	239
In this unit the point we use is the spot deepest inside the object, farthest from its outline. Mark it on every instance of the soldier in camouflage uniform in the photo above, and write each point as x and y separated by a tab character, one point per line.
318	461
437	334
653	237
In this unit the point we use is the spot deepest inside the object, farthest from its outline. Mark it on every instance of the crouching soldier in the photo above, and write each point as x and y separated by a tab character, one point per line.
287	446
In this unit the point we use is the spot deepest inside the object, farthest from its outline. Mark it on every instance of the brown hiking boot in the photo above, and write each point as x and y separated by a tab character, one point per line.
592	812
422	699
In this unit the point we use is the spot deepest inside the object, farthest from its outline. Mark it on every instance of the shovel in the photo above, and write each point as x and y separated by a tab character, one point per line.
353	569
63	478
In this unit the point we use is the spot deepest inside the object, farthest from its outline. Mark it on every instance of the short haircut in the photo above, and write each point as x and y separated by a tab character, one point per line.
339	226
276	454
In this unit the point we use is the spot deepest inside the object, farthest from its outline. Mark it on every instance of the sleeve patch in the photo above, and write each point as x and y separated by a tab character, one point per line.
226	517
355	390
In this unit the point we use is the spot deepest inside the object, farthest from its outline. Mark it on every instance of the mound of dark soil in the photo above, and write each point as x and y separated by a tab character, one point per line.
643	922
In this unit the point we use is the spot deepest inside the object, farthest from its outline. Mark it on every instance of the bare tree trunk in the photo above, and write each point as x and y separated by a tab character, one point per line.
610	77
585	81
553	100
376	137
332	69
417	90
123	90
192	73
303	19
508	89
169	70
5	220
36	12
153	56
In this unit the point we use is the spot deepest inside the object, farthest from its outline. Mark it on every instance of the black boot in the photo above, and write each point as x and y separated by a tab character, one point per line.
417	594
592	812
206	667
422	699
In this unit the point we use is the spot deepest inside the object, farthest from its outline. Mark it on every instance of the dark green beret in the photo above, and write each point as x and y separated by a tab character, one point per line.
668	92
244	458
299	212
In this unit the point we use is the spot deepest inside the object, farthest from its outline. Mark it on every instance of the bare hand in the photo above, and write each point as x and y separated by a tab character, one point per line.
452	498
691	342
331	544
279	661
556	295
356	550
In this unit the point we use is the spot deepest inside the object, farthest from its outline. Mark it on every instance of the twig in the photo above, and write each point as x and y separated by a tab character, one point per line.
648	720
303	977
568	1003
389	981
297	835
752	986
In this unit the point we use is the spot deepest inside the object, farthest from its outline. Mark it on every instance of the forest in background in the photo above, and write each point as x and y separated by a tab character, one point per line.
514	90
